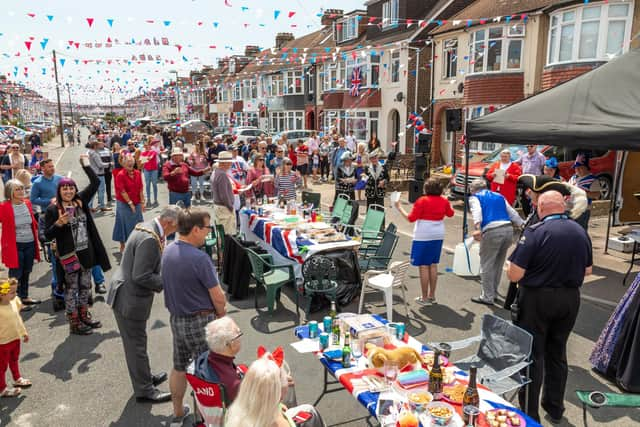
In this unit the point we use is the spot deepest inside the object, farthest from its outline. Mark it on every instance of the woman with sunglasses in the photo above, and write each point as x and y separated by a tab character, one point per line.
286	180
19	238
78	246
260	179
12	162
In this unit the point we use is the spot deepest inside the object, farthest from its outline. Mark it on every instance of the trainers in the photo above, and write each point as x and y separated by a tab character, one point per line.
422	301
178	421
432	300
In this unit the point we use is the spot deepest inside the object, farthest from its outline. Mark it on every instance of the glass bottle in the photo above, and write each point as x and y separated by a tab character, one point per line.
346	351
471	396
435	377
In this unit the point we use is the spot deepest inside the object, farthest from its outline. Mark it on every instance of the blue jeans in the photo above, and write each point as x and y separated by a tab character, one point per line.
98	275
151	179
197	183
185	198
101	192
26	254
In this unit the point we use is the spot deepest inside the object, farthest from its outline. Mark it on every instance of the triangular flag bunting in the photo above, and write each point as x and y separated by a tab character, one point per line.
50	18
291	13
31	15
90	21
109	21
166	23
62	61
276	13
28	45
43	43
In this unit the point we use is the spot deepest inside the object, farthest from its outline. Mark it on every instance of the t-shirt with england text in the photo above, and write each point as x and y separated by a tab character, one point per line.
187	275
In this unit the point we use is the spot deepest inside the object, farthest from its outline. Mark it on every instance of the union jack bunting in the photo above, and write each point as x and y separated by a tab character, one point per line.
356	82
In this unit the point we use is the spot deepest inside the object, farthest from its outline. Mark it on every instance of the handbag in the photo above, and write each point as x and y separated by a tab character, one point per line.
70	263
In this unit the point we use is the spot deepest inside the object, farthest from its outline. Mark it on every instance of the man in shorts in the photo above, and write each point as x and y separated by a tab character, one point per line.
193	297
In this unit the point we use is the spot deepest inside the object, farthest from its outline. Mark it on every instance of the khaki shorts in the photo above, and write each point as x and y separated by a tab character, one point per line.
226	218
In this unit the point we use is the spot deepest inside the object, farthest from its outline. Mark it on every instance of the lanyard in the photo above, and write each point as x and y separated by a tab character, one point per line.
555	216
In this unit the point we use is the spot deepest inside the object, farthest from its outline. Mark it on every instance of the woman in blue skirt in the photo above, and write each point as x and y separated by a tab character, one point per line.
428	233
129	199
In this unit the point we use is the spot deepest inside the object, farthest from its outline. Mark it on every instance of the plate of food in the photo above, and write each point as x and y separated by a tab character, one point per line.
453	393
320	226
427	359
503	418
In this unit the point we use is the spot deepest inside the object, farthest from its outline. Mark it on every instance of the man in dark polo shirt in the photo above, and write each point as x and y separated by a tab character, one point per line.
193	296
549	263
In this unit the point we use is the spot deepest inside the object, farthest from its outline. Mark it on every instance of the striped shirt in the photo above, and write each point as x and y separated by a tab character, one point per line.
286	186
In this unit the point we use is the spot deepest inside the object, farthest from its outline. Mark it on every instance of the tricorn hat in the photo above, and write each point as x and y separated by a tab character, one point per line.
542	183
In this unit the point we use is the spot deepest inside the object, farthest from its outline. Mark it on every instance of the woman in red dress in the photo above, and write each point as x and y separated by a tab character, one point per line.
503	176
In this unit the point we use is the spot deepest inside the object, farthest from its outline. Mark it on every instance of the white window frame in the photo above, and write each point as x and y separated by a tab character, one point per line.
450	58
603	29
237	91
485	44
348	29
291	88
276	85
390	12
394	58
311	81
334	69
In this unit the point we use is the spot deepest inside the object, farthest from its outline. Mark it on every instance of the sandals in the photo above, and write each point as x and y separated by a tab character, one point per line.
22	383
10	392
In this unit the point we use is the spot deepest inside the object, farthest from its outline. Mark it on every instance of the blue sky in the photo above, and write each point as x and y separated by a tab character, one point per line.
196	25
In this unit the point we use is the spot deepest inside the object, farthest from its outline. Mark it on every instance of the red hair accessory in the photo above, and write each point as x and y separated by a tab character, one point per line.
277	355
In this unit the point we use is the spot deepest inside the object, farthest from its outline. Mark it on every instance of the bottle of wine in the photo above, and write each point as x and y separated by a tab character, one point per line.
471	396
435	377
346	351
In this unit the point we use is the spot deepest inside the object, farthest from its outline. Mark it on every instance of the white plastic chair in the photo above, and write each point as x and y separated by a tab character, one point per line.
385	281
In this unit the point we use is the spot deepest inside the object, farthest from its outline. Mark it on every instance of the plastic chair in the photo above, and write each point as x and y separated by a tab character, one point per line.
504	351
219	245
272	280
381	258
338	208
349	217
371	246
386	281
311	198
370	232
319	274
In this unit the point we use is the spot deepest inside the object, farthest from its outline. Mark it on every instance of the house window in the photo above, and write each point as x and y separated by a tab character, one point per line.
334	76
395	67
276	85
286	120
237	91
294	83
363	123
450	54
311	80
390	10
346	29
590	32
492	50
374	79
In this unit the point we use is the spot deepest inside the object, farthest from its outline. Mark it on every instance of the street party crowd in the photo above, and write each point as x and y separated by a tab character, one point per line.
46	215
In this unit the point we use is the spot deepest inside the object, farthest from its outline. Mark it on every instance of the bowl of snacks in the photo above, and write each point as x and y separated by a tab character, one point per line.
441	413
419	399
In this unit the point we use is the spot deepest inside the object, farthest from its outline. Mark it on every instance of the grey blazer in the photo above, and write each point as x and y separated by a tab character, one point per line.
134	283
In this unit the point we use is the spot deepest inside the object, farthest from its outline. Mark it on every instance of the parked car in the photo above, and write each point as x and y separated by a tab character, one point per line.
220	130
196	126
295	135
602	163
247	133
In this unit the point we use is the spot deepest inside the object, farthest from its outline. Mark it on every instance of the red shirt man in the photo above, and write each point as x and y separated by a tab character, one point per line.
176	172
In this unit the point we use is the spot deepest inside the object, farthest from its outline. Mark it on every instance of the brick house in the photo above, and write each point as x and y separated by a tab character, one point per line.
512	50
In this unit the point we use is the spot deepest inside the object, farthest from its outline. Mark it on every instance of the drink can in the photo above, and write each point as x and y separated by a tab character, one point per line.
326	323
400	328
313	329
260	211
324	341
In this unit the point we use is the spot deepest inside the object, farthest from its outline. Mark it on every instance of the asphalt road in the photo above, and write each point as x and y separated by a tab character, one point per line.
83	381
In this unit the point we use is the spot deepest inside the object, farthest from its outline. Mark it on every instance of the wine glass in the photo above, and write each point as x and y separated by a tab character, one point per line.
390	371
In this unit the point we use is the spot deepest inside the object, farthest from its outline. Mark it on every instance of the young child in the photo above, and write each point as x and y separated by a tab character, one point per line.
315	165
11	331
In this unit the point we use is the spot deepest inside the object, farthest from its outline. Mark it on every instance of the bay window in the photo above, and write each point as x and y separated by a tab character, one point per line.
237	92
363	123
286	120
593	32
493	50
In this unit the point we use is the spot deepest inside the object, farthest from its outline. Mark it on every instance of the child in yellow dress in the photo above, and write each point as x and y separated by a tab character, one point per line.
11	331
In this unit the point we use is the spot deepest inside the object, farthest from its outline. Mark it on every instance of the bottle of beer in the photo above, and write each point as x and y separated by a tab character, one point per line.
346	351
335	331
435	377
471	396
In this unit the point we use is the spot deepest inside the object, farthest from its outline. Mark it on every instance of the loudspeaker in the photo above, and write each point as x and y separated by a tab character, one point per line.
423	145
420	167
454	120
415	190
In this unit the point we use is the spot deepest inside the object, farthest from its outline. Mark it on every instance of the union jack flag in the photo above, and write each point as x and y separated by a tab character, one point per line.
356	82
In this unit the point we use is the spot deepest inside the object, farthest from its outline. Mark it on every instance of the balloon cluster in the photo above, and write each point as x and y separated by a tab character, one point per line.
417	123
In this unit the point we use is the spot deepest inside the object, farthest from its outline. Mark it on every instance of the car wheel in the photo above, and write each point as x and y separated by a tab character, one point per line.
605	187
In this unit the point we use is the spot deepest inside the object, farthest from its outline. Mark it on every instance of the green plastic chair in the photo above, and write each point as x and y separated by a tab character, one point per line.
311	198
371	230
219	245
597	399
319	274
382	256
270	276
338	208
210	243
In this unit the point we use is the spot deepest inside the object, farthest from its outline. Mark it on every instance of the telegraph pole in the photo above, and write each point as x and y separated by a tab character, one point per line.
55	70
70	106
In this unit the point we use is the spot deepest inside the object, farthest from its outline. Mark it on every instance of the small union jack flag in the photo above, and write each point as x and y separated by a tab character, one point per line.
356	82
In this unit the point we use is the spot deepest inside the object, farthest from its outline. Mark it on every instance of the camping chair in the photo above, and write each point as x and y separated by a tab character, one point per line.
504	351
349	217
598	399
386	281
219	232
319	274
311	198
338	208
382	256
370	232
211	243
370	247
208	402
272	280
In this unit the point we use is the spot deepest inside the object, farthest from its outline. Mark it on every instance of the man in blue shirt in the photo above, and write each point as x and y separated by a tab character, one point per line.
193	296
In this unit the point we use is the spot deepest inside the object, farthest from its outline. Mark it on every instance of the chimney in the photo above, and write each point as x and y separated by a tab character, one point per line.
223	62
251	51
283	38
330	16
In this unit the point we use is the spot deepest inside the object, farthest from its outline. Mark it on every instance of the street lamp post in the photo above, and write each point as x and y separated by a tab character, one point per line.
177	93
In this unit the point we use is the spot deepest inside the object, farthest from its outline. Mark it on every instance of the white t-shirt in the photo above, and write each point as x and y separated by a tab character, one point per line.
426	230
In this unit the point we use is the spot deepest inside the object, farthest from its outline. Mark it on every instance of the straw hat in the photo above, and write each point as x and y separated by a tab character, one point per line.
225	157
177	151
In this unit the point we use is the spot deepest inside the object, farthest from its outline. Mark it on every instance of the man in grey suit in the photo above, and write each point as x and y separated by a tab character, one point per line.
131	294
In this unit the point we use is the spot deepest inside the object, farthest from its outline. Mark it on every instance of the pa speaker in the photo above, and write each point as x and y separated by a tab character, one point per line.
423	145
420	167
454	120
415	190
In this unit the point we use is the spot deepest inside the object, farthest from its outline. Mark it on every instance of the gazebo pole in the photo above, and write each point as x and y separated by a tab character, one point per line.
614	196
465	227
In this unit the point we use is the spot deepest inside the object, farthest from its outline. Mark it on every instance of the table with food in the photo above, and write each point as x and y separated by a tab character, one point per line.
292	234
399	380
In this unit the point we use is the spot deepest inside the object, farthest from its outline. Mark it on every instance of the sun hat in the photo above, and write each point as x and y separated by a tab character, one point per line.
225	157
177	151
346	156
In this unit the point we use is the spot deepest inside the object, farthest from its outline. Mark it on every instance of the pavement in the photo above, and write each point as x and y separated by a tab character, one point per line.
83	381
